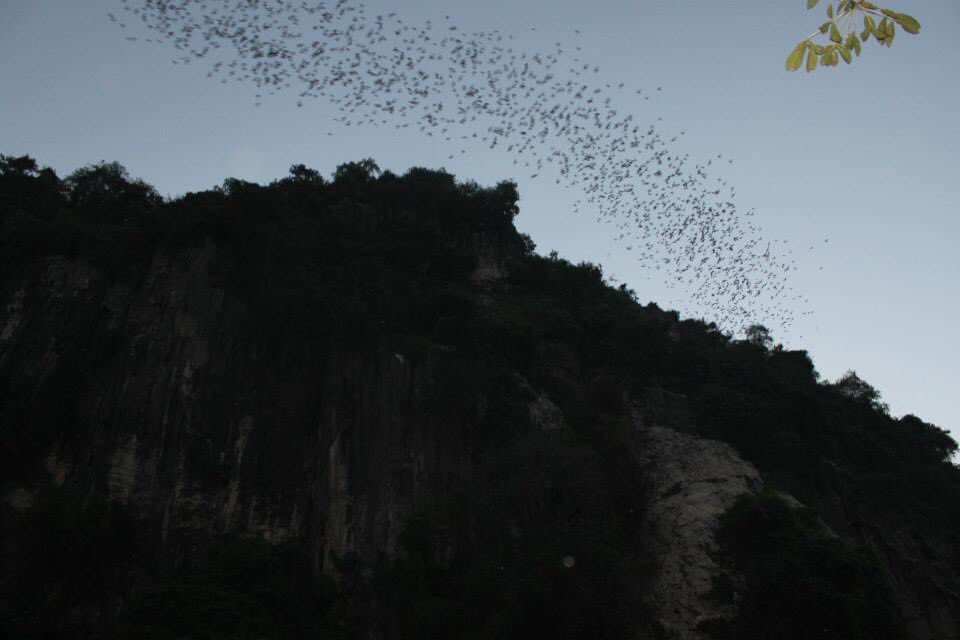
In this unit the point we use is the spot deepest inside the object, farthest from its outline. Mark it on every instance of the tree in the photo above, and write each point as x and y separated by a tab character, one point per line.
759	335
106	190
18	165
24	186
356	173
852	386
304	174
841	32
20	168
504	198
928	441
235	187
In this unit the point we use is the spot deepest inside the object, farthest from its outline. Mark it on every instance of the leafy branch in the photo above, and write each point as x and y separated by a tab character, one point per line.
843	41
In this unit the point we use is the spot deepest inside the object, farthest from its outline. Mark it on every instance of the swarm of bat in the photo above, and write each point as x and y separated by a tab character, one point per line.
542	109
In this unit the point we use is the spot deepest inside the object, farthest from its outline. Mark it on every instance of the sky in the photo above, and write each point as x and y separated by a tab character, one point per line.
851	168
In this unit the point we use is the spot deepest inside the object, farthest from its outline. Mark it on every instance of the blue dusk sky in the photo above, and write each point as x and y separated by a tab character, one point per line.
851	170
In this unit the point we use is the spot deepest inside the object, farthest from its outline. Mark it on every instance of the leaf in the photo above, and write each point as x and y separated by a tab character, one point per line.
868	27
830	11
795	59
881	33
835	33
827	58
811	61
845	54
825	27
909	23
812	3
853	42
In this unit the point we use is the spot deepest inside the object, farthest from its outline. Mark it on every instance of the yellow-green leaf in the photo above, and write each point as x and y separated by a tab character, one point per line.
845	54
909	23
811	60
881	33
825	27
853	42
795	59
812	3
835	33
830	11
868	26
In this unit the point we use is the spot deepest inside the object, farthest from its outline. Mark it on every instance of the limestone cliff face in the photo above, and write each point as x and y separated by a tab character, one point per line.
691	482
179	411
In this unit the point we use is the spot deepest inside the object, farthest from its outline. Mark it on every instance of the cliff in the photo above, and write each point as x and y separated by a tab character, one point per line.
365	408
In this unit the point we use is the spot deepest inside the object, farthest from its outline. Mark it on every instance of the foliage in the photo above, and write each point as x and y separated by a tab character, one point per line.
843	42
106	191
758	335
24	186
801	581
929	442
850	385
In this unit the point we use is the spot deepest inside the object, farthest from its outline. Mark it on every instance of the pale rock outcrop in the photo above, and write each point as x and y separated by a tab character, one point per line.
690	481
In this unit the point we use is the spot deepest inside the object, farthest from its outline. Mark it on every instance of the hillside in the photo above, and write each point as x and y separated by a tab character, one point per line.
363	406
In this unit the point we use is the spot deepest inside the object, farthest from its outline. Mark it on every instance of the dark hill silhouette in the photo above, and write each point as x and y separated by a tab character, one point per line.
363	406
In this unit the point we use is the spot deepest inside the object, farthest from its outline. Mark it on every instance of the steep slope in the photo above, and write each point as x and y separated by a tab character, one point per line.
365	407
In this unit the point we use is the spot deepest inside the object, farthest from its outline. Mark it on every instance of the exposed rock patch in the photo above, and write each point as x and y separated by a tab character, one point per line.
691	482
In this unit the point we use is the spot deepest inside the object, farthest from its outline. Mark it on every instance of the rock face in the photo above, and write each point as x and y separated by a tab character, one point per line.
927	603
161	393
691	482
199	427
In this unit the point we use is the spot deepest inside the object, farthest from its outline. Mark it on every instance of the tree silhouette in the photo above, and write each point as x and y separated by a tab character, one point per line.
759	335
856	388
105	191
